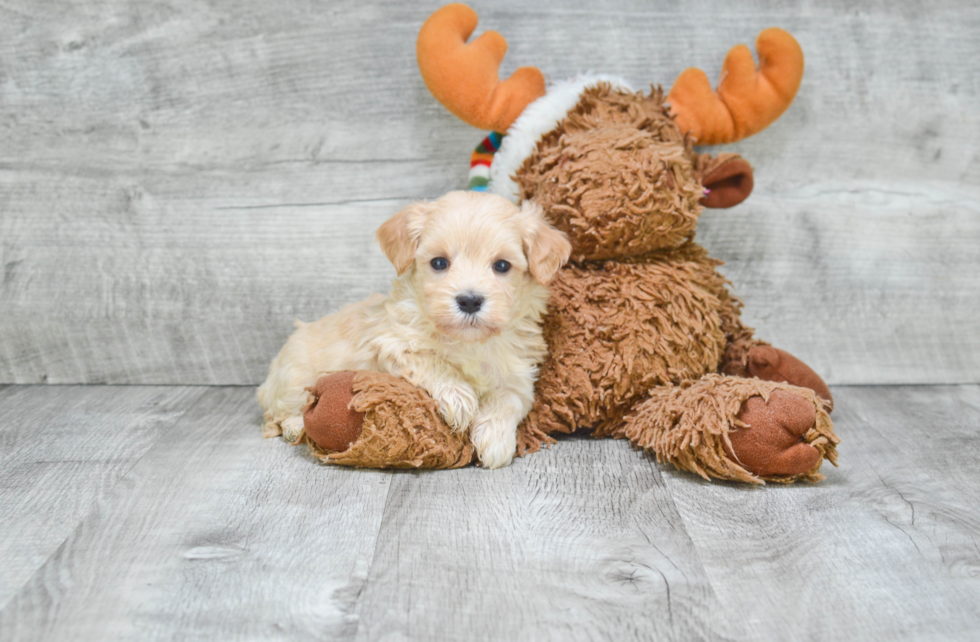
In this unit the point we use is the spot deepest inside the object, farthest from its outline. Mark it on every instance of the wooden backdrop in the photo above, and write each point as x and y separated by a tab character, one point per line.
180	179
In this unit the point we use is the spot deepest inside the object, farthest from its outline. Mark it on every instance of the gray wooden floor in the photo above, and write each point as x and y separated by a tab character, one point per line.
180	179
159	513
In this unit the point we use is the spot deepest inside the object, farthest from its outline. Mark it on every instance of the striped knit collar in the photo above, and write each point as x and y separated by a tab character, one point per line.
481	160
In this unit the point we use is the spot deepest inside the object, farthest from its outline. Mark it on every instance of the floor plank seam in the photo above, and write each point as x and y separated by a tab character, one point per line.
88	516
374	553
712	581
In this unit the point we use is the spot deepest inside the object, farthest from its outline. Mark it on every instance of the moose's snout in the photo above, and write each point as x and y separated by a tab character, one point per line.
469	303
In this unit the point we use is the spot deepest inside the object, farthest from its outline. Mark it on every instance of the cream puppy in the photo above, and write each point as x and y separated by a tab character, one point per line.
462	321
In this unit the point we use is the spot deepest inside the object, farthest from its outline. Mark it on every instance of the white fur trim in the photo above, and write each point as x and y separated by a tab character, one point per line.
537	119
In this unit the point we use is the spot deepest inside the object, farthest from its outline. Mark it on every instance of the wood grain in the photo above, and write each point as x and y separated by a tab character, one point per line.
892	280
213	533
885	548
577	543
179	180
62	450
213	526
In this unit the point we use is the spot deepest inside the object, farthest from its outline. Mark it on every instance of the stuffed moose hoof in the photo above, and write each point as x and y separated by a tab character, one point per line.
772	364
772	439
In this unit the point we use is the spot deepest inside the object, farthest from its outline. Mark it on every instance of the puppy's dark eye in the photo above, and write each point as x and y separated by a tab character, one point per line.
501	266
439	263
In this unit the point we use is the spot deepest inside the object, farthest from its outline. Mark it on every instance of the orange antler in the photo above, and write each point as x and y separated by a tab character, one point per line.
748	99
463	77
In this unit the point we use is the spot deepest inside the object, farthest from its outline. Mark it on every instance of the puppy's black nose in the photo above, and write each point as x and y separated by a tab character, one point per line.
469	303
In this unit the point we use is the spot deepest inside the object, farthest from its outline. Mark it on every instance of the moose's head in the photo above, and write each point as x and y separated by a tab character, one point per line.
613	168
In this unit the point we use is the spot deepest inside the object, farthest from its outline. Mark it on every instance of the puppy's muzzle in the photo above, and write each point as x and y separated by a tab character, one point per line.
469	303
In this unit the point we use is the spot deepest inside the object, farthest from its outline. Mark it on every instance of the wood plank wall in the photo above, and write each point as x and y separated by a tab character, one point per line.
179	180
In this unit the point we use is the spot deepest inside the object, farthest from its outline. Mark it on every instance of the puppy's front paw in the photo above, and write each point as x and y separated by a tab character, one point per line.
495	442
457	405
292	428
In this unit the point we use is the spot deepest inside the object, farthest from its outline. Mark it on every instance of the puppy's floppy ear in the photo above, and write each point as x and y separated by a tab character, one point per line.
546	248
399	235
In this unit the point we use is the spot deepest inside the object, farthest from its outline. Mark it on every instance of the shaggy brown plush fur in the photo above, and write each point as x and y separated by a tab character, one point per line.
618	329
689	425
616	176
642	316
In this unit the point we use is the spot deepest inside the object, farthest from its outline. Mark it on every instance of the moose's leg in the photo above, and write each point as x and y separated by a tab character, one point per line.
772	364
734	428
373	420
746	356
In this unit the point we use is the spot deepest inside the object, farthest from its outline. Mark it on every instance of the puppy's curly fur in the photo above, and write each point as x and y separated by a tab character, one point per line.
462	321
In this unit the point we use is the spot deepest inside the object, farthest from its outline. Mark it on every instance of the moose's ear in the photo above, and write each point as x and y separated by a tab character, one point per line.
546	248
399	236
727	180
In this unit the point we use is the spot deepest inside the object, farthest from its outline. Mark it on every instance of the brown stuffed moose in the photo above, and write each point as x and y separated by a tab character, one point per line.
645	341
